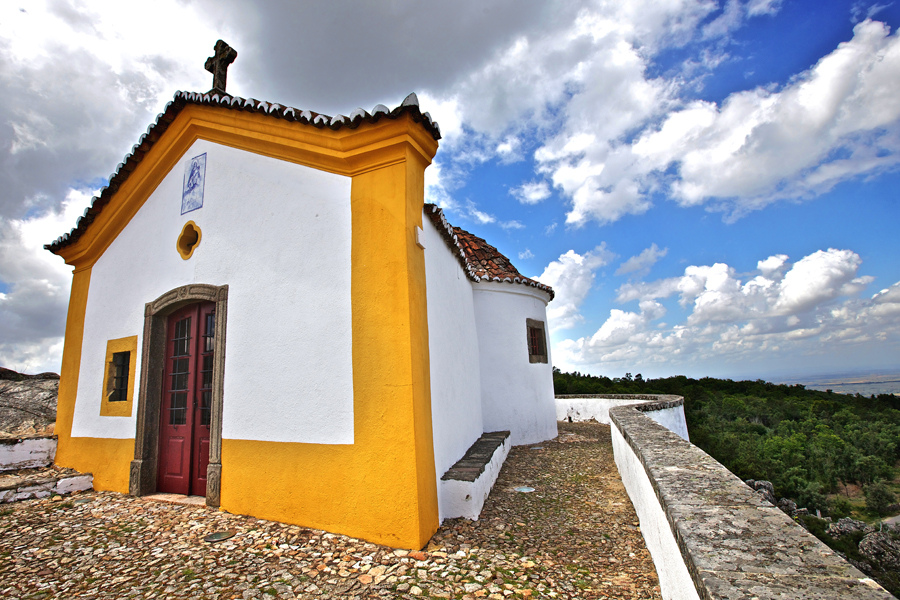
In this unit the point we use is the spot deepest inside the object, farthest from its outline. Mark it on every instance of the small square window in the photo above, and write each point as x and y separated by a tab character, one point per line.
118	377
118	380
537	341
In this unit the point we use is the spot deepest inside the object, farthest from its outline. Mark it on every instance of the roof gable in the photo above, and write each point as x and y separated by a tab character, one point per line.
409	106
479	260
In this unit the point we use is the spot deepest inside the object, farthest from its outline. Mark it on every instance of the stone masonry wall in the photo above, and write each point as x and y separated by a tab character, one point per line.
730	542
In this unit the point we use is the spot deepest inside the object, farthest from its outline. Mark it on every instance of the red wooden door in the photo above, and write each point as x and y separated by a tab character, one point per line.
186	402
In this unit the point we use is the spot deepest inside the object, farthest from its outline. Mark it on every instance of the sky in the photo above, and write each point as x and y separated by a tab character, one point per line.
710	187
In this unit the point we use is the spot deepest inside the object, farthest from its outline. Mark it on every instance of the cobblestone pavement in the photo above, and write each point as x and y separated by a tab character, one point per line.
575	536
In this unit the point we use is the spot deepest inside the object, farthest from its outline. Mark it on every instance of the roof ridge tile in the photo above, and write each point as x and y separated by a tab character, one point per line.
480	260
410	105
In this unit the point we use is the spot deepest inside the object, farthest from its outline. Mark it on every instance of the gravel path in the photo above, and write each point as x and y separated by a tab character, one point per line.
575	536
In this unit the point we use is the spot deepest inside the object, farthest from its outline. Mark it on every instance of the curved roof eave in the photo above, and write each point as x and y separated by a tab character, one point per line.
479	260
409	106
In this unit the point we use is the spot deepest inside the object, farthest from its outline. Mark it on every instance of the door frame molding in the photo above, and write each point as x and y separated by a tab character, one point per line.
143	473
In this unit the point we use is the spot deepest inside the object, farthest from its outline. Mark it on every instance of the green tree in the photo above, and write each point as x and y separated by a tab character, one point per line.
878	498
838	508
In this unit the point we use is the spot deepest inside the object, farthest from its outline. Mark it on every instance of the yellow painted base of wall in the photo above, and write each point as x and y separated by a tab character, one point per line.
109	460
341	489
381	488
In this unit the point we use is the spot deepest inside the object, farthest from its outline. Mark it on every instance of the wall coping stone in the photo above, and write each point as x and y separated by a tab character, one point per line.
15	439
669	397
734	543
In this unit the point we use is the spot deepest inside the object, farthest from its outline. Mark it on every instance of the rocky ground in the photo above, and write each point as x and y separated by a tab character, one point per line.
874	550
575	536
27	403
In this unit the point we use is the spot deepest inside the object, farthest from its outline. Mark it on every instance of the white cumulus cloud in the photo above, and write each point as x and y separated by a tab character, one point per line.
642	263
784	309
531	192
571	277
33	309
835	121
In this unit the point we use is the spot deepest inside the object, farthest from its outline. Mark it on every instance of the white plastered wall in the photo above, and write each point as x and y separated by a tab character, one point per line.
453	348
279	235
672	419
517	395
674	578
585	409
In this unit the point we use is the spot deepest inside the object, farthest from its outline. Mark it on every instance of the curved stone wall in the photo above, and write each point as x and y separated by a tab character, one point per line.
710	535
586	407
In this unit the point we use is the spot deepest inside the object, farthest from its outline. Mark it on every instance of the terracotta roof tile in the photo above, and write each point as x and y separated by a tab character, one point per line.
410	106
480	260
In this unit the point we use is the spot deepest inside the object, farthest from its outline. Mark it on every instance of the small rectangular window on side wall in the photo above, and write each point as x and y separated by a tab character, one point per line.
118	377
537	341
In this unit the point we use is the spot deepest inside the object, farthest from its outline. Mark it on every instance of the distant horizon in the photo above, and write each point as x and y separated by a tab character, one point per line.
875	375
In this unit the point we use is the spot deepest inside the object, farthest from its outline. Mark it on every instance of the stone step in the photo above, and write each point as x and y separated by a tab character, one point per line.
26	452
466	485
25	484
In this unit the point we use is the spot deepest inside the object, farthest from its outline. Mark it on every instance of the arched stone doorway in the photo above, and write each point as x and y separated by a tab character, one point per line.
143	476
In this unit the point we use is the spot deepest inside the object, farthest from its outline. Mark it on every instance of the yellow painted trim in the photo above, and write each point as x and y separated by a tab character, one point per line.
107	459
118	408
71	359
347	152
382	487
188	240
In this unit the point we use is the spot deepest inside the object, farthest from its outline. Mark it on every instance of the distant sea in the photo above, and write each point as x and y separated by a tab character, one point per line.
865	383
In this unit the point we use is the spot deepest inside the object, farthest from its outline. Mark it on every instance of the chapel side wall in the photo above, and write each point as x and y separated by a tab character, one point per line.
453	347
517	395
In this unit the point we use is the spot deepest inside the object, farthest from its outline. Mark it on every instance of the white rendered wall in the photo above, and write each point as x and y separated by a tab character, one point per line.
672	419
27	453
516	395
279	235
453	349
674	579
585	409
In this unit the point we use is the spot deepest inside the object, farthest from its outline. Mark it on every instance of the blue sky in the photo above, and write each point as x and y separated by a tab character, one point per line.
711	187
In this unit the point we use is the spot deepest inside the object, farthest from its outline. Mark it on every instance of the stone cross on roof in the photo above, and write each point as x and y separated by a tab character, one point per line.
217	64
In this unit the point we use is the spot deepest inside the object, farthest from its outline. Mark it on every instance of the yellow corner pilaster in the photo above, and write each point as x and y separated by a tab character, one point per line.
71	359
107	459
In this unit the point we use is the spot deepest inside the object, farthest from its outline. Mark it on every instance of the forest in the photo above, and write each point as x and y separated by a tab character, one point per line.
833	452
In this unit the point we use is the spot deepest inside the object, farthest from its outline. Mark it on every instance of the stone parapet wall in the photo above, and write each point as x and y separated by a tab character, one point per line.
710	535
669	411
14	489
